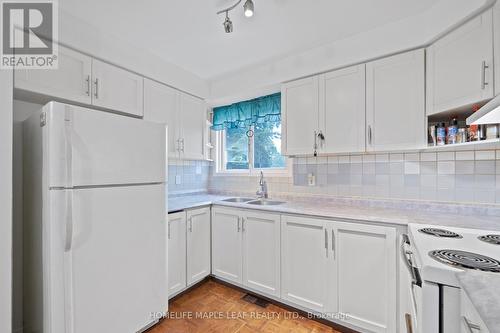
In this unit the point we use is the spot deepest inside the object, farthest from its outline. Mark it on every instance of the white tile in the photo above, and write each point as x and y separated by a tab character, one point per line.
464	156
382	157
412	157
428	157
333	159
344	159
311	160
322	160
446	168
396	157
498	154
368	158
412	168
446	156
485	155
356	159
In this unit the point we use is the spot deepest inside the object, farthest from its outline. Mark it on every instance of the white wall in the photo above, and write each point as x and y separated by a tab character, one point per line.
21	111
5	200
412	32
88	39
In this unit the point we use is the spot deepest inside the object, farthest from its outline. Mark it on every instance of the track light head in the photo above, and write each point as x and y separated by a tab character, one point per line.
248	8
228	24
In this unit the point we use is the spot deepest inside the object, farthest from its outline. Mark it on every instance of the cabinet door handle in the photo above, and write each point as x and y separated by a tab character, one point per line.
243	224
190	224
370	134
470	326
168	229
239	224
96	91
88	85
326	242
484	67
333	243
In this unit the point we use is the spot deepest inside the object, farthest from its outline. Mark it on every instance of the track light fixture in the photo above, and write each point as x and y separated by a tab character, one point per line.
248	8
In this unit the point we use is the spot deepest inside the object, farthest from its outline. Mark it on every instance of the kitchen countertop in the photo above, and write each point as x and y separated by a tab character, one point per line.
483	290
399	213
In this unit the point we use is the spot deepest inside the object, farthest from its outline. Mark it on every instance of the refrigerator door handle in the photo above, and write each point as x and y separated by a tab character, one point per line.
69	221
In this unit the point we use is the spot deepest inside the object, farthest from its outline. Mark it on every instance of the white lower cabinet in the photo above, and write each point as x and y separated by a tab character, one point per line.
198	245
339	268
246	248
226	244
188	248
261	252
366	263
305	263
176	252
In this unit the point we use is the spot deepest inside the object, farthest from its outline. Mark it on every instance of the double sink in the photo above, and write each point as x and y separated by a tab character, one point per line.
257	202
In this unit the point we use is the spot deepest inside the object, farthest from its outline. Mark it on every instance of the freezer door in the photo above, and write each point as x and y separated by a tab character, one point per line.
115	261
89	147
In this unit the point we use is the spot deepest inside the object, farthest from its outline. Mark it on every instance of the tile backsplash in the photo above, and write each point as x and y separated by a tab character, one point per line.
461	177
188	176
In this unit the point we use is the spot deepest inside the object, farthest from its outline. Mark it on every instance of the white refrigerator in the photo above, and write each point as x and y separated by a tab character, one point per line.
95	235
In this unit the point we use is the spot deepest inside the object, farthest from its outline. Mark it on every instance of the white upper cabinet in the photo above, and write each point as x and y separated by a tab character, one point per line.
71	81
226	244
116	89
496	36
366	267
161	105
198	245
192	121
261	252
300	109
342	110
305	263
176	253
395	115
460	66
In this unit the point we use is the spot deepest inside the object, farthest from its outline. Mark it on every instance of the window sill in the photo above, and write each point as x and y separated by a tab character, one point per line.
255	173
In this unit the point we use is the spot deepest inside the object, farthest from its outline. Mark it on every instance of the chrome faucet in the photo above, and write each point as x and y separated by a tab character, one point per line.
262	192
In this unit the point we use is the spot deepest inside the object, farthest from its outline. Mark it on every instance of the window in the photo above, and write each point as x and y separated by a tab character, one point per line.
240	150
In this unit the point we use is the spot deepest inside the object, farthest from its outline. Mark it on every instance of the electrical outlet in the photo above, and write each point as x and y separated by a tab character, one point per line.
178	180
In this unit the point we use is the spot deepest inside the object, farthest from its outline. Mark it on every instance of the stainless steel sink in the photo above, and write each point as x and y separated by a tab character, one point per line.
264	202
238	199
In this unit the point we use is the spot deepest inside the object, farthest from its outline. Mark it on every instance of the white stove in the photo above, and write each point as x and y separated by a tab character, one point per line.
434	255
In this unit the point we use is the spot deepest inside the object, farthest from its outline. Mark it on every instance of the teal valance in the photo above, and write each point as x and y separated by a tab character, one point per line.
247	113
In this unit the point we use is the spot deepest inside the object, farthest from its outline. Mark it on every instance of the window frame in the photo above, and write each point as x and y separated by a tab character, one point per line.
220	160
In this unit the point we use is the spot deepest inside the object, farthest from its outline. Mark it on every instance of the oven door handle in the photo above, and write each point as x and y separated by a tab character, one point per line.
406	257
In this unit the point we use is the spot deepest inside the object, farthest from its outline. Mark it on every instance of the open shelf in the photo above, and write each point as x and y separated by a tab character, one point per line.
473	145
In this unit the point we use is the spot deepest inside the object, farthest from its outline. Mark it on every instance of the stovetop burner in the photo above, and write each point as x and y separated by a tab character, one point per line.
465	259
492	239
439	232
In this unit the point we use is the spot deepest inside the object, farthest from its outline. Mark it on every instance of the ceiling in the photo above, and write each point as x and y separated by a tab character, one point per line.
190	35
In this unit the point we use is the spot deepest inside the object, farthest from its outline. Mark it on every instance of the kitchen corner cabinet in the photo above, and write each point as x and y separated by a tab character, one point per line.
460	66
184	115
71	81
246	248
300	108
198	244
395	102
176	253
117	89
342	110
